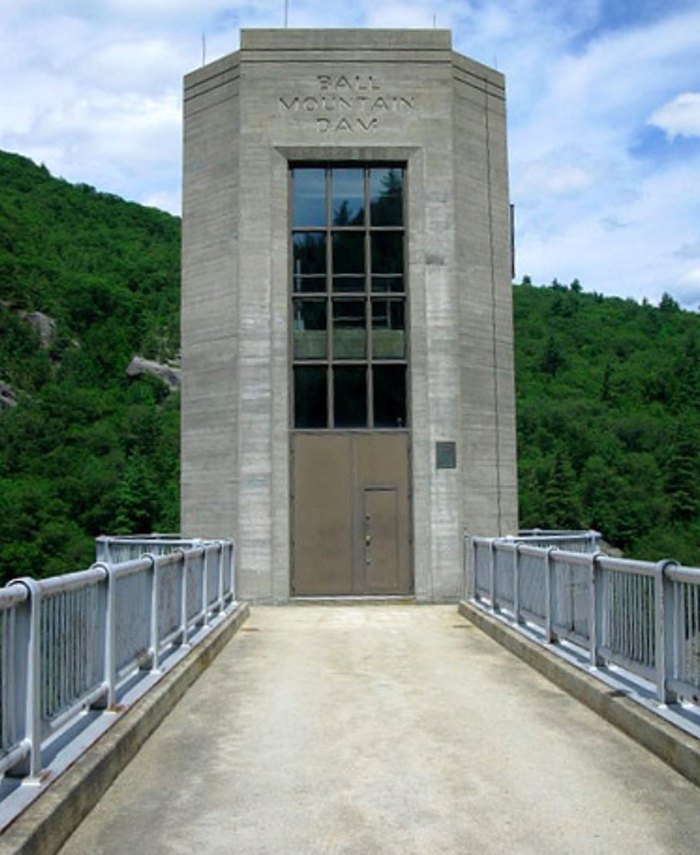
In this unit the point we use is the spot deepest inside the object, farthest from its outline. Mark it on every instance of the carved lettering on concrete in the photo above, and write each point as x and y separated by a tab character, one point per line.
348	103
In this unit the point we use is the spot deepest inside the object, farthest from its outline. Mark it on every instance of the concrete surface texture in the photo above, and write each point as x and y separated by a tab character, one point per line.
339	96
386	729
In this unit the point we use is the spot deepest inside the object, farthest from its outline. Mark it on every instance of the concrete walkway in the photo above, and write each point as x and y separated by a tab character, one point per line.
385	729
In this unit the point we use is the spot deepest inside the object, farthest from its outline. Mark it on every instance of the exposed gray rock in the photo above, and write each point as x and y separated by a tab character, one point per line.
167	373
43	325
8	399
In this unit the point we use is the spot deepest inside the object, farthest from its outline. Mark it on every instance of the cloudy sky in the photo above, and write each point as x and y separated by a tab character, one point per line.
603	99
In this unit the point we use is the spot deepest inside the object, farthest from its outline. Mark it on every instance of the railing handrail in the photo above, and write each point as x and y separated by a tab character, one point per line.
561	533
65	582
77	640
640	615
12	596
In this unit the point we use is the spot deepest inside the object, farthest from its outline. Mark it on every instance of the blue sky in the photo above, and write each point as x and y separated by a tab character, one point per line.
603	100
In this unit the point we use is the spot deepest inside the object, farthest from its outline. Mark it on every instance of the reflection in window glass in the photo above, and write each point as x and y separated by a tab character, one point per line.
348	197
310	396
309	203
386	196
309	254
387	252
309	284
310	333
388	337
350	394
393	284
348	283
389	396
348	252
349	329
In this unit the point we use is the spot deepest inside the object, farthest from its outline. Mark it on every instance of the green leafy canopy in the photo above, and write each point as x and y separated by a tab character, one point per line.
87	450
608	390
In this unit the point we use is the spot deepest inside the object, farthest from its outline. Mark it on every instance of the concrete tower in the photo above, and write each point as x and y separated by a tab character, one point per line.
348	403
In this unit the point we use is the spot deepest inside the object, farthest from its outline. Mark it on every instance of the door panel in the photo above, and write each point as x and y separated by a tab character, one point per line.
381	540
350	514
323	554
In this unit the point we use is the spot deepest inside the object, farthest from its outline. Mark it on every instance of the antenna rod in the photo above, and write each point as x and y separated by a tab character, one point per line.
286	14
204	49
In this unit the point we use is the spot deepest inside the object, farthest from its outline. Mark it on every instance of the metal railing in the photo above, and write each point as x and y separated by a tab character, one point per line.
73	642
117	548
574	541
641	616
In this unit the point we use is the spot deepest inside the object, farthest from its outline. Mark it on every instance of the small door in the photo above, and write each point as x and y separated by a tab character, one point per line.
381	540
350	514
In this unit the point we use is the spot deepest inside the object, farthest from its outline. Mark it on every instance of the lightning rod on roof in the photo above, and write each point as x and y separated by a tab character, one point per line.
204	49
286	14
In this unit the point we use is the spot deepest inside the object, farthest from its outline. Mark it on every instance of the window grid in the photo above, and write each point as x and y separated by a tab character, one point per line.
378	292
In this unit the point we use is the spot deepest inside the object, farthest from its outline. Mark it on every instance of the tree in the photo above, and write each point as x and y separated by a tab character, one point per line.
561	501
667	304
683	474
552	357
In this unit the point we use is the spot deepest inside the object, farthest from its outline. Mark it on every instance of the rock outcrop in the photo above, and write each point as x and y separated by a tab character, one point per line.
8	399
169	374
43	325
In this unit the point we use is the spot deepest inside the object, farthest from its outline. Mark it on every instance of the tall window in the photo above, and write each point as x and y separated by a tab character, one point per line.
348	297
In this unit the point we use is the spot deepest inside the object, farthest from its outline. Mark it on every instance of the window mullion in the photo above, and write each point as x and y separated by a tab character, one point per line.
368	301
330	385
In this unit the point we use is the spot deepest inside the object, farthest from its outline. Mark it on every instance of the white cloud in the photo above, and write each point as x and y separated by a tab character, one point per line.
691	277
687	289
689	250
132	65
166	200
560	172
93	90
406	14
679	117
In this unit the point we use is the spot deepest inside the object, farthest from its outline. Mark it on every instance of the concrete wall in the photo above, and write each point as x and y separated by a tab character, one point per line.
291	95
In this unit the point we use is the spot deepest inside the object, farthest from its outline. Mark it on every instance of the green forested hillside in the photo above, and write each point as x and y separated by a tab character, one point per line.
608	390
608	395
86	449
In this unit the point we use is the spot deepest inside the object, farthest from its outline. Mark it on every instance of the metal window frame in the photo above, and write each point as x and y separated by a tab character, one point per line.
367	294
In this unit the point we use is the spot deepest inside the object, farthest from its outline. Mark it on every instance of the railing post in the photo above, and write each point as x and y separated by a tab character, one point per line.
598	606
516	583
183	599
233	570
205	586
110	656
155	594
472	555
666	628
549	597
102	550
465	563
492	574
221	576
28	663
474	586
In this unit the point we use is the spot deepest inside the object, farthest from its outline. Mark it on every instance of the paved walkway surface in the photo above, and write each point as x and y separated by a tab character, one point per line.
385	729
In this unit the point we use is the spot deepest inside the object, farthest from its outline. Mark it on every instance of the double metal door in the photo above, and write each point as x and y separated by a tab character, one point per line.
350	514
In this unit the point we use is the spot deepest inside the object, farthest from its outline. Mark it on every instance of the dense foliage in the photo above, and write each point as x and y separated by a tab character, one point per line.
87	450
608	395
608	390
